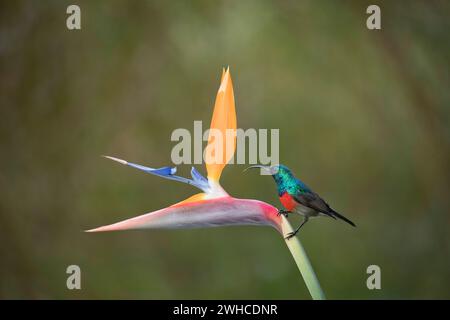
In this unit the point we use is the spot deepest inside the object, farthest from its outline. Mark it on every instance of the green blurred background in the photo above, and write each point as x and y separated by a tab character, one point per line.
363	118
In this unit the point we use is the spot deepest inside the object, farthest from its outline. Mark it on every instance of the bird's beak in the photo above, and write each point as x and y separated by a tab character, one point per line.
265	170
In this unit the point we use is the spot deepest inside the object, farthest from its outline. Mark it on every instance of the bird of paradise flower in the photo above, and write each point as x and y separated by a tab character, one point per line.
214	207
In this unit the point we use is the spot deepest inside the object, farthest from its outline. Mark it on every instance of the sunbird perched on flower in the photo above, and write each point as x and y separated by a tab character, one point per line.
214	207
297	197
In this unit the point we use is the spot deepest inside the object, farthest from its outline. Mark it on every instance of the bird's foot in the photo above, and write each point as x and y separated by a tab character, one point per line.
291	234
283	212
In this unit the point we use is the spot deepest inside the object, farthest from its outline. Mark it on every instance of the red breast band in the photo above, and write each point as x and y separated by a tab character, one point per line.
287	201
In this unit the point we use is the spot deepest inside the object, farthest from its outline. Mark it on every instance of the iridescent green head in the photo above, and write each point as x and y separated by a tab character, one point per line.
281	174
284	178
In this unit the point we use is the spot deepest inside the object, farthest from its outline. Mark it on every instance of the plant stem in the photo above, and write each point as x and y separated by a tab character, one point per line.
302	261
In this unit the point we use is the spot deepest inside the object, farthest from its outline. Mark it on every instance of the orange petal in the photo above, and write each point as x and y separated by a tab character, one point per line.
221	149
194	198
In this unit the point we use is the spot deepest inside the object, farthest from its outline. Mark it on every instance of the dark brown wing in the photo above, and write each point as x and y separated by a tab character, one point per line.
314	201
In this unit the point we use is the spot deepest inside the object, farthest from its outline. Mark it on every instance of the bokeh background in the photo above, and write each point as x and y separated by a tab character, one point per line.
363	118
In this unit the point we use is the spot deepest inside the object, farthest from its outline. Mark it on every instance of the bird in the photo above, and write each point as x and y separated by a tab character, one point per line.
297	197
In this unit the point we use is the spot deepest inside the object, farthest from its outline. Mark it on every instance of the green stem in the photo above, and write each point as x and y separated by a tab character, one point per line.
303	263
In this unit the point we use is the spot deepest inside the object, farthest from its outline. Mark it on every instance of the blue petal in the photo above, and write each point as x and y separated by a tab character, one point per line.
198	178
169	173
165	171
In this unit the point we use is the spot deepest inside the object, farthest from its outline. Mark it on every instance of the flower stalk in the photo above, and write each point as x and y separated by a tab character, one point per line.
301	259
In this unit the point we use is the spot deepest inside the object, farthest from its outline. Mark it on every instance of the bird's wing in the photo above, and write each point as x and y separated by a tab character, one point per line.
314	201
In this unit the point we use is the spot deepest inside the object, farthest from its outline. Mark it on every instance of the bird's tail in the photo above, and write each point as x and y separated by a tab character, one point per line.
334	213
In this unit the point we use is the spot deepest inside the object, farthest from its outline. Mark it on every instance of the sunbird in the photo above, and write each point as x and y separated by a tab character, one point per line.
297	197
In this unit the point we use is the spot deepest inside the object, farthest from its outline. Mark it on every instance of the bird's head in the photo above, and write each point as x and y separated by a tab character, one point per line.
280	173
